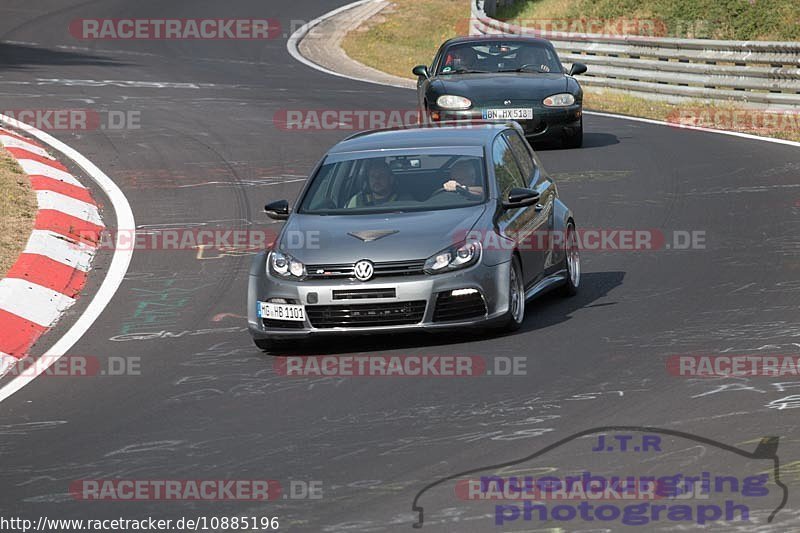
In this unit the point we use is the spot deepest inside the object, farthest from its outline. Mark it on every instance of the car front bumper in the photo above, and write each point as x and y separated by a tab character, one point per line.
547	123
368	315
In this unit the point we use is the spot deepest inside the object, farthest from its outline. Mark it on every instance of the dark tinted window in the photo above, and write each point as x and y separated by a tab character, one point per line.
522	153
506	170
402	182
495	56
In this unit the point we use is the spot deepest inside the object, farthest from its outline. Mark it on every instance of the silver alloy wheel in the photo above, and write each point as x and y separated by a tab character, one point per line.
516	297
573	257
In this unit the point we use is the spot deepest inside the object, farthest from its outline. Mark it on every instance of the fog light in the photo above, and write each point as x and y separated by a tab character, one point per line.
463	292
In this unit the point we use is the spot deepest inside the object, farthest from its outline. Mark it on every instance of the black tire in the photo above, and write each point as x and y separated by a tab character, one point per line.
516	315
570	286
575	139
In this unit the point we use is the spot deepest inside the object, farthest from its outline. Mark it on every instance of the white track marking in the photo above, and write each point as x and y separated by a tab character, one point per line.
6	363
116	270
13	142
73	254
696	128
35	168
294	41
68	205
42	306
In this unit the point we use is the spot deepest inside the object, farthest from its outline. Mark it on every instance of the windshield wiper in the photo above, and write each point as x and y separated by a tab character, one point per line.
527	68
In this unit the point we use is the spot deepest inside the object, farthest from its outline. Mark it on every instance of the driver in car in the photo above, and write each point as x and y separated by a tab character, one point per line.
462	58
381	184
464	177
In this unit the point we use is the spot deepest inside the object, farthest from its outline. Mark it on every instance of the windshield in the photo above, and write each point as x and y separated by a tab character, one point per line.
499	56
412	182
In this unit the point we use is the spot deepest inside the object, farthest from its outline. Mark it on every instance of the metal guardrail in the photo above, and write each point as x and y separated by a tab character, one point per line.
762	72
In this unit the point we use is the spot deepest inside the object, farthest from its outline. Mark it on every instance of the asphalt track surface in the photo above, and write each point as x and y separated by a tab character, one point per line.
210	405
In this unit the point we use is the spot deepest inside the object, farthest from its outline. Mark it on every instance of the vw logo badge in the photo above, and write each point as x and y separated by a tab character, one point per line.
507	102
363	270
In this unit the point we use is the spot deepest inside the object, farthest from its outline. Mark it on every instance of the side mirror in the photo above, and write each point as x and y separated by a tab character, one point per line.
277	210
421	71
577	68
519	197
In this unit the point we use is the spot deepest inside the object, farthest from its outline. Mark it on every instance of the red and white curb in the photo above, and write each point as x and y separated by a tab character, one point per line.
52	269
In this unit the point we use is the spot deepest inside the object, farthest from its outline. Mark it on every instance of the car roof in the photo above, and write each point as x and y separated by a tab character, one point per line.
495	37
476	133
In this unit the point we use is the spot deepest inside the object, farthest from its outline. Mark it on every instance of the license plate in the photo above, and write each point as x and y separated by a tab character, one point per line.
511	113
281	311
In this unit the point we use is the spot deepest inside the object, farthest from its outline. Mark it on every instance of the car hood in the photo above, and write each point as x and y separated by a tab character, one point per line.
316	239
512	86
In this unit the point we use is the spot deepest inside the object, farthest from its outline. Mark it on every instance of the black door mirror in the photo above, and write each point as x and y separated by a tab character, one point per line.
421	70
577	68
519	197
277	210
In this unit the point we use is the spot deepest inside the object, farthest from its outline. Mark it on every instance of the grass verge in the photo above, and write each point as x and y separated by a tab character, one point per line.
406	34
17	211
741	20
410	31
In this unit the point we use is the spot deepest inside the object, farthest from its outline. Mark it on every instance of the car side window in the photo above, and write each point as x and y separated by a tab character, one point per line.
523	155
506	171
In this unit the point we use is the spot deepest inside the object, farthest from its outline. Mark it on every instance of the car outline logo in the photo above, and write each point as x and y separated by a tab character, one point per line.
767	449
363	270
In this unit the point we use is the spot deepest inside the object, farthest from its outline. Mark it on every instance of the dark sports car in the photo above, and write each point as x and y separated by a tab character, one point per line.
504	78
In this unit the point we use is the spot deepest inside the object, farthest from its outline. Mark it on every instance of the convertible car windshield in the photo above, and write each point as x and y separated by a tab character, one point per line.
499	56
407	182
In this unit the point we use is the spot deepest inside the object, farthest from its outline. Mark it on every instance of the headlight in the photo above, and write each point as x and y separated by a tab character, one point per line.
559	100
459	256
285	266
451	101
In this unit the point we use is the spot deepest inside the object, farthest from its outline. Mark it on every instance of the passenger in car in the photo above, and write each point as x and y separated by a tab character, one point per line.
534	56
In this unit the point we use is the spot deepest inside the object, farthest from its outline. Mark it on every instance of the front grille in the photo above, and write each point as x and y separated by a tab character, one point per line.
450	307
385	268
358	294
366	315
282	324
